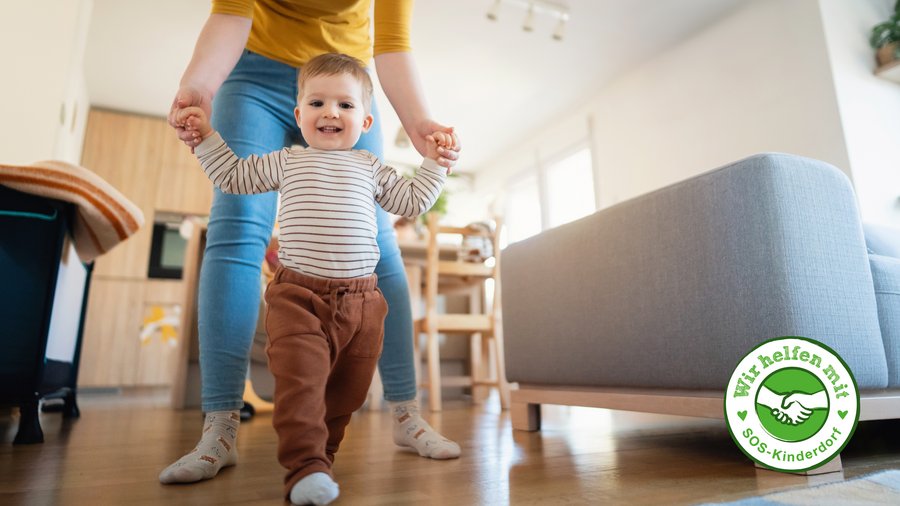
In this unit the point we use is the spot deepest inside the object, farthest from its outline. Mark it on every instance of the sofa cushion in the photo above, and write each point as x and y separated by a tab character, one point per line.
881	240
883	244
886	277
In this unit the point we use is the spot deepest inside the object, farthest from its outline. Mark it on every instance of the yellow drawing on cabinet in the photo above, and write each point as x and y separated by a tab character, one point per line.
163	321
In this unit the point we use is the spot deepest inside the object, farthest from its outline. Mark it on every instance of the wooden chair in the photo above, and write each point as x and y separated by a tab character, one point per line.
482	324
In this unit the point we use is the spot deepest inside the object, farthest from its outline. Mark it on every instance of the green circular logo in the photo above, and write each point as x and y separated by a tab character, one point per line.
792	404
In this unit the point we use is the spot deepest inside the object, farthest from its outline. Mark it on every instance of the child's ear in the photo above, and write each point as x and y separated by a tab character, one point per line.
367	123
297	114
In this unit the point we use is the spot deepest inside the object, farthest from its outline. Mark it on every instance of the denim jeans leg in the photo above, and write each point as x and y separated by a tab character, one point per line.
396	366
253	111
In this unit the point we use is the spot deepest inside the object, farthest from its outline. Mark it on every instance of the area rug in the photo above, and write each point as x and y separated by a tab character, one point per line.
878	488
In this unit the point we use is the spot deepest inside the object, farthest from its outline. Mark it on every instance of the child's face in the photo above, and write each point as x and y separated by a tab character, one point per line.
330	113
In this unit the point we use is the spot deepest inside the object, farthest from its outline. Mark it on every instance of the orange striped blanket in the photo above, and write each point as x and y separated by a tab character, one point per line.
104	217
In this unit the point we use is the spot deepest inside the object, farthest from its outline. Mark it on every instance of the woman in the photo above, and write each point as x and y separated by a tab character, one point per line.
247	57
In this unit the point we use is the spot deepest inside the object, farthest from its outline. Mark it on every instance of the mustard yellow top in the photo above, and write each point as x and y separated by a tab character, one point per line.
293	31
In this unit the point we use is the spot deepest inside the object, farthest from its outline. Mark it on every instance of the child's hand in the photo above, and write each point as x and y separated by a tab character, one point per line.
195	121
437	143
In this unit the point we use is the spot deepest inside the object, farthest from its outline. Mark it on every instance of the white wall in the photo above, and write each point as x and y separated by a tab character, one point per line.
869	106
76	100
44	84
758	80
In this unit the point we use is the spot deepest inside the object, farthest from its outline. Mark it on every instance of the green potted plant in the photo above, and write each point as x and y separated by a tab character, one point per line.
440	205
885	38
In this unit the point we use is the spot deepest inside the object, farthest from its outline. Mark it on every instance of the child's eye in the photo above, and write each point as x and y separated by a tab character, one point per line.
316	103
346	105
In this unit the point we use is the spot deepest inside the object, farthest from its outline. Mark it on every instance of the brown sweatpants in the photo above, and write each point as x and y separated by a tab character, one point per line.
325	338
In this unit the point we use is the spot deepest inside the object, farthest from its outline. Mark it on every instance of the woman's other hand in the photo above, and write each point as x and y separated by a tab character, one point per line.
448	156
188	96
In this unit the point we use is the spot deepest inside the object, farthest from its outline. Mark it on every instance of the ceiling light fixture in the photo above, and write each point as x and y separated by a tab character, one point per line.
494	11
528	25
532	7
560	30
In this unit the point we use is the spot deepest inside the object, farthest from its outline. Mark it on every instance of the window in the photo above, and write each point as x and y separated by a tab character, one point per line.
523	210
569	188
558	191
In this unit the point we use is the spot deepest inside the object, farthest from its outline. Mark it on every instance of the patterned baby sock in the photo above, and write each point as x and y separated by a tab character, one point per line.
316	488
411	431
215	450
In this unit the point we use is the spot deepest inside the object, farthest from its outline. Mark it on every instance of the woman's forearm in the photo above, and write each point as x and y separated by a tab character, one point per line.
218	49
400	81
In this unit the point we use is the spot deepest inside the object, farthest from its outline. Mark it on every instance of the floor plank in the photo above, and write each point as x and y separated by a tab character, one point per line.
114	452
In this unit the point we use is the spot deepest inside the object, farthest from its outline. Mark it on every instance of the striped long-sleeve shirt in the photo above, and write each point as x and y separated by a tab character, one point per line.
327	214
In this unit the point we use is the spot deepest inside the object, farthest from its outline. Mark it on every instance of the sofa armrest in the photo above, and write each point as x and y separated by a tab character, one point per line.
672	288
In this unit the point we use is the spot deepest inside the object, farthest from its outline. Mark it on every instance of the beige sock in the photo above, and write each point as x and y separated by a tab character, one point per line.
215	450
411	431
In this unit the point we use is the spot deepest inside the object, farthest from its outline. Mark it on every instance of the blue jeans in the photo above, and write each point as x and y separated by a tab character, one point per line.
254	112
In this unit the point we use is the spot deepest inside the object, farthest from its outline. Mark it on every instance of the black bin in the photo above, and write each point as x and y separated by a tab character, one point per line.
33	238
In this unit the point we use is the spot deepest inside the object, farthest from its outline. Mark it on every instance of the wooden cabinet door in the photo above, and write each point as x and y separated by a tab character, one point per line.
113	353
109	353
182	185
126	151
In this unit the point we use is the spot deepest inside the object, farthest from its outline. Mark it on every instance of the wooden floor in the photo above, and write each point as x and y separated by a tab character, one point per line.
114	452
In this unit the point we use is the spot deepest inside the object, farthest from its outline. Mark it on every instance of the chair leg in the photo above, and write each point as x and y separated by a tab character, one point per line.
259	404
434	371
417	354
477	366
70	406
502	384
29	424
479	362
375	396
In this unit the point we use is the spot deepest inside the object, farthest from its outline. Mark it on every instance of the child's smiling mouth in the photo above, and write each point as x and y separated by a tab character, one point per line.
330	129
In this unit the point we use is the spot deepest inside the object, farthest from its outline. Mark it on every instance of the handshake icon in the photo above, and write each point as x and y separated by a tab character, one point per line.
792	408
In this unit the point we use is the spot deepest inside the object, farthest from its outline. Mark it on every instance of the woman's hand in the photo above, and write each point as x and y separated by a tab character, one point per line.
188	96
436	142
196	121
448	156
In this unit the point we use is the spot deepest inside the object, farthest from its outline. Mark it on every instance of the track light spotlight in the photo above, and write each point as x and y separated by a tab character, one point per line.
552	8
560	29
528	26
494	11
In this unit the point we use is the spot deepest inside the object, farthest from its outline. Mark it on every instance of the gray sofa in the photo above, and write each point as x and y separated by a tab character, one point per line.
648	305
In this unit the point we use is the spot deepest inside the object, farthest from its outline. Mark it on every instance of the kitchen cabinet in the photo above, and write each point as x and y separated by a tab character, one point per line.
141	157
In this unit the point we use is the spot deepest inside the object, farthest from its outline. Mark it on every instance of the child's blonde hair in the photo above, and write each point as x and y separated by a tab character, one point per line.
329	64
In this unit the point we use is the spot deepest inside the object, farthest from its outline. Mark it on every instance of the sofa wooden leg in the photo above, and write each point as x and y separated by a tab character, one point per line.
525	416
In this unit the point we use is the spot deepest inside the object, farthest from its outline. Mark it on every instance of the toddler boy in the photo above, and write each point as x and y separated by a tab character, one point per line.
325	317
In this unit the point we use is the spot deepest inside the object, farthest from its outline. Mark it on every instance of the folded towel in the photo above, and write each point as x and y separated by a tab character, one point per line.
104	217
